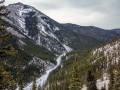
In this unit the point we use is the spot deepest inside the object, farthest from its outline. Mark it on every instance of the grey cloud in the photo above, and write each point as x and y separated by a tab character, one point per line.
108	10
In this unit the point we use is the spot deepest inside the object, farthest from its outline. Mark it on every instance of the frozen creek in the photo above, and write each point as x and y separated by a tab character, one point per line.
41	81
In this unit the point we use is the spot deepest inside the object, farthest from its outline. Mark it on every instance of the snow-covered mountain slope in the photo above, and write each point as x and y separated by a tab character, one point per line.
107	55
111	52
35	25
50	34
99	60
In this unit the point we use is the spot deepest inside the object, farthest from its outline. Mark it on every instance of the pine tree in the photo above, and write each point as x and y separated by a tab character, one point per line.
5	50
111	78
19	73
75	82
91	81
103	88
6	80
117	82
117	78
39	87
34	82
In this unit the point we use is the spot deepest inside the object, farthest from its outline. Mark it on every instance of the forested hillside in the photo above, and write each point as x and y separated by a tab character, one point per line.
102	61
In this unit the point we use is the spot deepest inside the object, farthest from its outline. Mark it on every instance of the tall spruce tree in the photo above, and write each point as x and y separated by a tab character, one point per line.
75	82
91	81
6	80
6	50
111	78
19	73
117	82
117	78
34	82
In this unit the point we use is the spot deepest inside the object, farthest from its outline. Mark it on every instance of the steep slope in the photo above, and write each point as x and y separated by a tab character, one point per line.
34	58
35	25
99	60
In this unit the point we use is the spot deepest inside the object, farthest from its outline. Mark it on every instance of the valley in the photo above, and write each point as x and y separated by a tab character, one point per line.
57	56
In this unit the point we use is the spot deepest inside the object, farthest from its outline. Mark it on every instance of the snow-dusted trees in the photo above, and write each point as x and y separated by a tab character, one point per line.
117	78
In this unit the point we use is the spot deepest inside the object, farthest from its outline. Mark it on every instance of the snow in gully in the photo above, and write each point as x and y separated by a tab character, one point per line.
41	81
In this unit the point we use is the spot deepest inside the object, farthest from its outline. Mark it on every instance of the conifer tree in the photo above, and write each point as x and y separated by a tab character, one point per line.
111	78
103	88
117	78
117	82
6	51
34	82
91	81
39	87
75	82
19	73
6	80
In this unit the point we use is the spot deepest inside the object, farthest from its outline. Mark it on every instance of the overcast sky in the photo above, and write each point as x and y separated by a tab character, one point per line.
100	13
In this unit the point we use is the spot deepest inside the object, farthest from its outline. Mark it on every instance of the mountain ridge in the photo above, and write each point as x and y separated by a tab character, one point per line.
44	28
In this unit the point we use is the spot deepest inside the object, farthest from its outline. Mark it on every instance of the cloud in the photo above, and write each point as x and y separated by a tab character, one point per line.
101	13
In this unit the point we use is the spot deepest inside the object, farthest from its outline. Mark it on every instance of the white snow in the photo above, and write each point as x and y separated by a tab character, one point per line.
110	52
15	32
67	48
42	29
37	61
84	87
56	28
22	20
24	13
21	42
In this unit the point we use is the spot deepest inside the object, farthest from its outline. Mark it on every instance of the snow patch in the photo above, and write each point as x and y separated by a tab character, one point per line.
15	32
67	48
56	28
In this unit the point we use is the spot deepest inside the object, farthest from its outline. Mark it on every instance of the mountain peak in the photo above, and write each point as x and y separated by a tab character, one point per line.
18	3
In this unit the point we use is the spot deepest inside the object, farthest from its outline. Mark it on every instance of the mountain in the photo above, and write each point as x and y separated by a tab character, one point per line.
35	25
52	35
116	30
89	34
40	39
92	31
